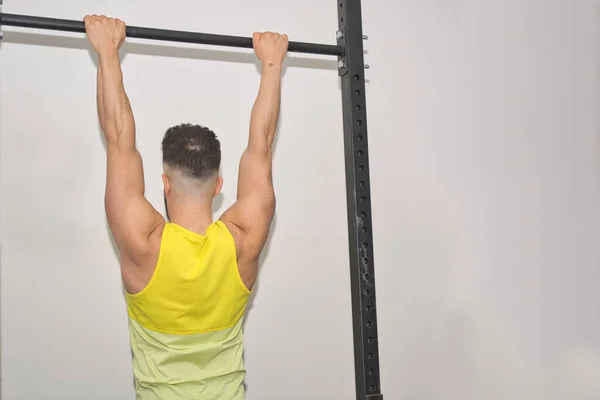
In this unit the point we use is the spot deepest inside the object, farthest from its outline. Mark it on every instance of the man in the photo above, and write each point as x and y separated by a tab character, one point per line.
187	279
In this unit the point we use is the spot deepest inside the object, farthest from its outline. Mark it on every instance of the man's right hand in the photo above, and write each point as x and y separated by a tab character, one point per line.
105	34
270	47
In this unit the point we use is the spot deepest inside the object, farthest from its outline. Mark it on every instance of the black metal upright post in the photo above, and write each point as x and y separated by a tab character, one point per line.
358	192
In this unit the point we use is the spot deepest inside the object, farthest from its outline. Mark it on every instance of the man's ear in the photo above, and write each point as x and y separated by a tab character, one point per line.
219	186
166	185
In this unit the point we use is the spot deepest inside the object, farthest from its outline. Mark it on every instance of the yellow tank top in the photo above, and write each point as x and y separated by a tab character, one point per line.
186	324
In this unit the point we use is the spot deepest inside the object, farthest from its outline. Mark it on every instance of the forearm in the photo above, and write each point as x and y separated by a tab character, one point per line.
265	113
114	109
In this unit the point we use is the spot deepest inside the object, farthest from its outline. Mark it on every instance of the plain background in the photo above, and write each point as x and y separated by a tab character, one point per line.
485	171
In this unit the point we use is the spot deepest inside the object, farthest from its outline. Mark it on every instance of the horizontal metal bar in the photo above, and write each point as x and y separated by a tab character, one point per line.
27	21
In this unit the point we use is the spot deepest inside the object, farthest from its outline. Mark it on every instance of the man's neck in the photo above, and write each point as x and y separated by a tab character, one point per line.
192	215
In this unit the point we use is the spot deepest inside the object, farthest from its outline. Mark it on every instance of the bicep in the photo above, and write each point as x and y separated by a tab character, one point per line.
130	216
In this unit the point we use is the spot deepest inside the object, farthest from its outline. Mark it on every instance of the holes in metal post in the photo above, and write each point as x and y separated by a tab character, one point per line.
368	308
363	199
371	372
373	388
358	107
361	168
364	230
360	153
360	137
358	122
369	324
371	356
366	276
365	245
357	78
357	92
367	292
365	261
361	183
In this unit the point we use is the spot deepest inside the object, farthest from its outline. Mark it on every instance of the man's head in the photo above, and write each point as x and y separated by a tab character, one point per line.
191	161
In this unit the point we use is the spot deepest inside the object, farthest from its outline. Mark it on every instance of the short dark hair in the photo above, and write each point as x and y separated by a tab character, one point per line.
192	149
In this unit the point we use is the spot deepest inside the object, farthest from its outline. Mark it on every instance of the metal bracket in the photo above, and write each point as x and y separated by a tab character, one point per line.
342	60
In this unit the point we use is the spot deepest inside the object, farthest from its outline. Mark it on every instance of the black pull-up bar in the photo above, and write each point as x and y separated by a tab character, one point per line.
27	21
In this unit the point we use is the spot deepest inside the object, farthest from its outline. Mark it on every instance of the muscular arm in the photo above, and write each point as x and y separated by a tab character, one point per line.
254	209
265	112
131	217
255	191
114	109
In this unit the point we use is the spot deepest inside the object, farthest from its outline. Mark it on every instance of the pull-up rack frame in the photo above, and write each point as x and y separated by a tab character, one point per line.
349	50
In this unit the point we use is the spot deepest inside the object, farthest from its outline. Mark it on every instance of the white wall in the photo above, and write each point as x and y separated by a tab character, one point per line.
486	197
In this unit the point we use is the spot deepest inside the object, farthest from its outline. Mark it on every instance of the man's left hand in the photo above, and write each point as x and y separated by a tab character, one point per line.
105	34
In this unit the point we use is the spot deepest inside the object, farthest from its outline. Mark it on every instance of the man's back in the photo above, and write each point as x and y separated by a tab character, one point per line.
186	324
